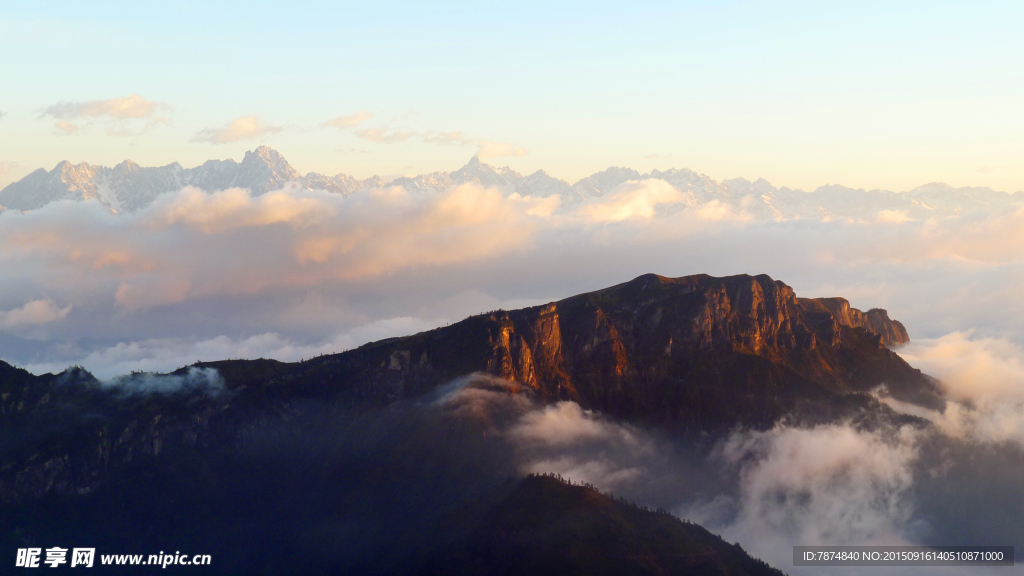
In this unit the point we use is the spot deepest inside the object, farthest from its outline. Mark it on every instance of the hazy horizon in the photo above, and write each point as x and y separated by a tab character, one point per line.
498	163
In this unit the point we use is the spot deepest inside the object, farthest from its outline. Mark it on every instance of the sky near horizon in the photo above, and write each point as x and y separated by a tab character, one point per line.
869	94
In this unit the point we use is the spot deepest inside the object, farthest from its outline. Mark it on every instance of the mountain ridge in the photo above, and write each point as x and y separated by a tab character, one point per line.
128	187
696	354
391	458
664	349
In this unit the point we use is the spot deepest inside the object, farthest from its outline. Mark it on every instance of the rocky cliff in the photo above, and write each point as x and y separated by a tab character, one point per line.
875	320
654	348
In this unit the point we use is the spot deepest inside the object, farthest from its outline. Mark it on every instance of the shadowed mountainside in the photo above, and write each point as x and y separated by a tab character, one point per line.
547	526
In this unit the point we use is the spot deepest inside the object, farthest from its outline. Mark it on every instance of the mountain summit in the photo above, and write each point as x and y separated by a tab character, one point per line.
698	351
130	187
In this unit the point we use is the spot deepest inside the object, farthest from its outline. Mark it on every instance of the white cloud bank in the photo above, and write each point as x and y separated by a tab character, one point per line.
820	486
984	380
636	200
311	266
834	484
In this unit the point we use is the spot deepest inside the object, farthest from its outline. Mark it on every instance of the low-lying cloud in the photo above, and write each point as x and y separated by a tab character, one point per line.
235	208
835	484
971	369
311	267
167	354
818	486
634	200
194	243
194	379
984	381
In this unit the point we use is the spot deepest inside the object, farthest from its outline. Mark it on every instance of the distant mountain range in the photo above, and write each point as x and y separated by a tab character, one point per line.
129	187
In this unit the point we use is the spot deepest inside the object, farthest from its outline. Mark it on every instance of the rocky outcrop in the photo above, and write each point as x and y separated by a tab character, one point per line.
875	320
667	348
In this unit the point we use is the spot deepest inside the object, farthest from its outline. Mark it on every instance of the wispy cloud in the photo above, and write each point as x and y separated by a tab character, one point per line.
352	150
386	135
8	171
122	129
121	116
129	107
67	128
485	148
7	167
383	136
342	122
456	138
243	128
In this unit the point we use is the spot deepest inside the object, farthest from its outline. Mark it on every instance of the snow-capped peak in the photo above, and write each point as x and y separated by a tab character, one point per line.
130	187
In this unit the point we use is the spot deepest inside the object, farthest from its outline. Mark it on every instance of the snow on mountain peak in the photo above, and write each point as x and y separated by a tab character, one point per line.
130	187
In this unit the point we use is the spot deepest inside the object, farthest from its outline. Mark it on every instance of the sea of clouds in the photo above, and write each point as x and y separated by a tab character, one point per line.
294	273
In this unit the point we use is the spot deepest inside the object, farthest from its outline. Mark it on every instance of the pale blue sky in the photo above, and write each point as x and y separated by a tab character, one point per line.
867	94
